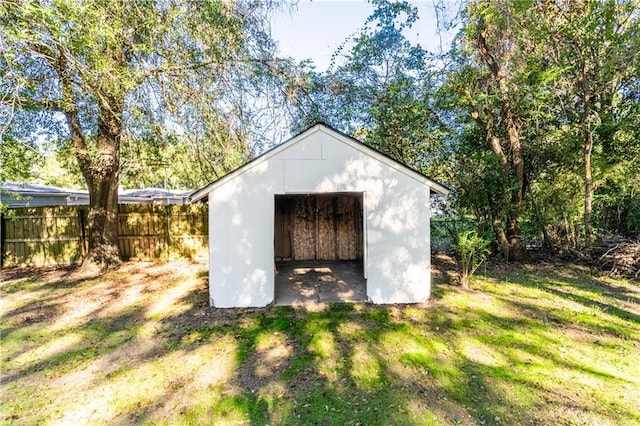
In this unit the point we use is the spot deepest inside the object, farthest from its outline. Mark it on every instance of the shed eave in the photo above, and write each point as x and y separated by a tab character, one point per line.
201	193
397	165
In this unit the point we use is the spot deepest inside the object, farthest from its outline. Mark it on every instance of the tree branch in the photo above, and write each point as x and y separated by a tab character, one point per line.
491	61
70	110
199	65
30	104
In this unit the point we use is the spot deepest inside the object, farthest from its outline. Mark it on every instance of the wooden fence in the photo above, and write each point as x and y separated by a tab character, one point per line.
41	236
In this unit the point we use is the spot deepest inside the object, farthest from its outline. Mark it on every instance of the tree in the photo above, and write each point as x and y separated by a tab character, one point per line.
100	67
549	92
598	47
16	160
379	90
487	76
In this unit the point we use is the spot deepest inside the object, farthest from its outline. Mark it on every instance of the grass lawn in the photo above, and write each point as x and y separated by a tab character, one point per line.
532	344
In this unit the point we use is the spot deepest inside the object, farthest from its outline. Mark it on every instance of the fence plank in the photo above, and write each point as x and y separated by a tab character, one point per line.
39	236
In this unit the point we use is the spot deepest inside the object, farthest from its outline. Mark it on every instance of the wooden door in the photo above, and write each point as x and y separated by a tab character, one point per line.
318	227
305	228
283	227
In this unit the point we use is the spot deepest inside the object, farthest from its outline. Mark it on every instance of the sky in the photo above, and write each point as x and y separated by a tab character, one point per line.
315	29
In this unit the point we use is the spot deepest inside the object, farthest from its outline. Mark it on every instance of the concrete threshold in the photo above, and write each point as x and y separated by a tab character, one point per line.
308	282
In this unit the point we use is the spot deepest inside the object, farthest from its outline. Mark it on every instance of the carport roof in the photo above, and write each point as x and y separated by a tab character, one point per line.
356	144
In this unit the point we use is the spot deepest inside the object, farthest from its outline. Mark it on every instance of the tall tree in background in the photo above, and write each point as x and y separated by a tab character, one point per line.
103	67
488	79
379	90
596	44
550	88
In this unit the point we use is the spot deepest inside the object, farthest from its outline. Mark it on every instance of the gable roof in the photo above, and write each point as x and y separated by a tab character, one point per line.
354	143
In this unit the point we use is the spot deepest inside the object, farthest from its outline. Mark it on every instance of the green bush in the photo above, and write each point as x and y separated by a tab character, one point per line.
470	250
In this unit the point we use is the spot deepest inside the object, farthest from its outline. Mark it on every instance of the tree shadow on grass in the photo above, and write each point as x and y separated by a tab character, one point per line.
329	373
557	283
296	387
590	303
21	278
40	311
346	364
97	337
353	381
359	368
48	336
602	299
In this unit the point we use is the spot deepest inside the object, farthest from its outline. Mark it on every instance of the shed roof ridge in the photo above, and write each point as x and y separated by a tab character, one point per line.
328	129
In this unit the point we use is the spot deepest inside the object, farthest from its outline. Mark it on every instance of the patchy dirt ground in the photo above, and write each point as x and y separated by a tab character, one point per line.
64	335
140	345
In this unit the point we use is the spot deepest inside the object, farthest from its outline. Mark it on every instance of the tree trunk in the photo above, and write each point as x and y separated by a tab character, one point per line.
517	194
517	165
547	244
101	173
588	192
100	170
509	242
516	160
103	224
501	237
516	250
586	155
103	183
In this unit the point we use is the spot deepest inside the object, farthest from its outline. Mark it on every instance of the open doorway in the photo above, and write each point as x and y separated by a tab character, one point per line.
319	248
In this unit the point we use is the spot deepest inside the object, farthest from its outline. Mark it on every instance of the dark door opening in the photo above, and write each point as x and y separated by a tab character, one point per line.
318	227
318	244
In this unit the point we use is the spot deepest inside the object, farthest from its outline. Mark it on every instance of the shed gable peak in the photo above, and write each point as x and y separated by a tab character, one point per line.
303	142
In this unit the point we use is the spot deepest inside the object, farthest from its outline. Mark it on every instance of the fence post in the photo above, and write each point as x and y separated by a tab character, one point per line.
83	231
167	212
2	236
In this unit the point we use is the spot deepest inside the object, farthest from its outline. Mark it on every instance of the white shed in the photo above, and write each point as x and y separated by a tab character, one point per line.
380	210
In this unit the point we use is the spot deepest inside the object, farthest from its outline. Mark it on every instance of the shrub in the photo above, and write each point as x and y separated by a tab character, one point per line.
470	250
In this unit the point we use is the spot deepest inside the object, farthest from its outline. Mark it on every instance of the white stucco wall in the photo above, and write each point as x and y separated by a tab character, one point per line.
396	216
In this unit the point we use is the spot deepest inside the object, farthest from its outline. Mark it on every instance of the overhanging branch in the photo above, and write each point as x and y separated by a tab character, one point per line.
156	71
29	104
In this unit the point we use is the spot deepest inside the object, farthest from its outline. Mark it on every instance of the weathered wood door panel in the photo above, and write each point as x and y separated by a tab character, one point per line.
283	227
326	233
349	228
318	227
305	229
